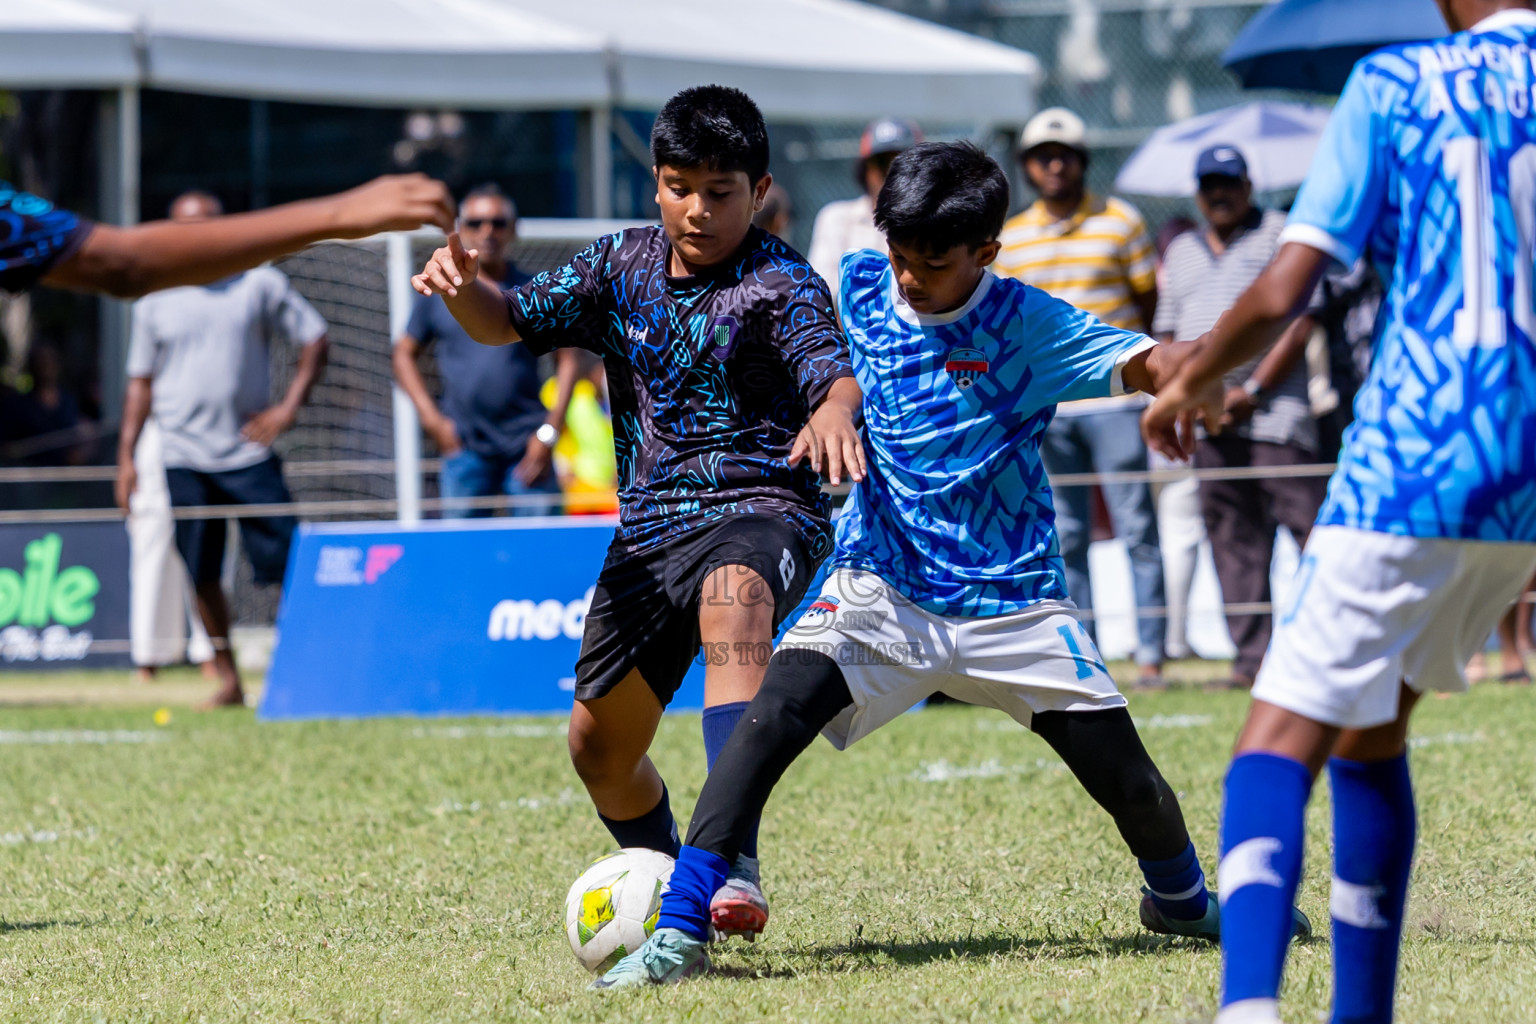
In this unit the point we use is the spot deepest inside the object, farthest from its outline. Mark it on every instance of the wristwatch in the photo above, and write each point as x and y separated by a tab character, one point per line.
1253	389
547	434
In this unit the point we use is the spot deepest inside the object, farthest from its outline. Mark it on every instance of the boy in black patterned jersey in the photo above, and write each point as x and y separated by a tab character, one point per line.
727	370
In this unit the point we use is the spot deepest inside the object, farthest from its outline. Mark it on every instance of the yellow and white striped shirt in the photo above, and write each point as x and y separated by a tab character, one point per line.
1098	259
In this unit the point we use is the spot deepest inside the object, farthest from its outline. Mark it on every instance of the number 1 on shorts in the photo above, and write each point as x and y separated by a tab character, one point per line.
1084	666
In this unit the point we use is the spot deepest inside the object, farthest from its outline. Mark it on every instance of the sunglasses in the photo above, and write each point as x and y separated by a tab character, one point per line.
499	223
1219	183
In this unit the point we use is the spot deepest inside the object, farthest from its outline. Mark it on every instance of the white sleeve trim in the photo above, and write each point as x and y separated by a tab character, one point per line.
1322	241
1117	380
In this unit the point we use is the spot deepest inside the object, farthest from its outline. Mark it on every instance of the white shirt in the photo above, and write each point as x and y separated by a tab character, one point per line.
207	351
845	226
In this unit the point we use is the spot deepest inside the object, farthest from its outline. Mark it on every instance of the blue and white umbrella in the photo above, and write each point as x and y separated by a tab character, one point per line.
1313	44
1277	139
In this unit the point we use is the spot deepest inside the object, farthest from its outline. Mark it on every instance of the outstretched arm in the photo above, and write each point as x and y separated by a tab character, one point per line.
1272	369
1254	323
128	262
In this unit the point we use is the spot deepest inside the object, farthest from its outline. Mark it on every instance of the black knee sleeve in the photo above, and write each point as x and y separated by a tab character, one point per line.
801	692
1104	752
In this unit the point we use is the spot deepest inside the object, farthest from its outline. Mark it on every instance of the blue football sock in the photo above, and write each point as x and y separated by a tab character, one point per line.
1263	827
1177	885
685	904
719	722
656	829
1373	834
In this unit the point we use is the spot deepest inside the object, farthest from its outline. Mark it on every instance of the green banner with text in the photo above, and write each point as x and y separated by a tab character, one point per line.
63	596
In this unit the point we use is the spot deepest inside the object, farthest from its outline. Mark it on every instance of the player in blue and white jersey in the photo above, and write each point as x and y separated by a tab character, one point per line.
947	571
1428	167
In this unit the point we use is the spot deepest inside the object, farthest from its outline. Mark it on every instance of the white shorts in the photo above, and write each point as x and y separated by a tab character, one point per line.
1369	611
894	654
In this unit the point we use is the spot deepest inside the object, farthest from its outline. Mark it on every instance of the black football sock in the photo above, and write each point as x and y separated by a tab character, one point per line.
656	829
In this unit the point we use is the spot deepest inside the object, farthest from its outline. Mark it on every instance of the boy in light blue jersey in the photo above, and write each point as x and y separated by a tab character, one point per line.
947	572
1428	166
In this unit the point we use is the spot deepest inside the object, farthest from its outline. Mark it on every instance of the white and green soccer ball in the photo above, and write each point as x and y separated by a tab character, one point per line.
612	908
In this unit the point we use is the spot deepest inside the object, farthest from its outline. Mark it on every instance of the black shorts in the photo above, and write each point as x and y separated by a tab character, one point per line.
266	539
645	606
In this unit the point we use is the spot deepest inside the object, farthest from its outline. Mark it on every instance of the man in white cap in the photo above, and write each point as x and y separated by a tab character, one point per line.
848	225
1094	252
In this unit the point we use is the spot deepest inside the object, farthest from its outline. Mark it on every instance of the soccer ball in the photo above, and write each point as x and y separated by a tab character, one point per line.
612	908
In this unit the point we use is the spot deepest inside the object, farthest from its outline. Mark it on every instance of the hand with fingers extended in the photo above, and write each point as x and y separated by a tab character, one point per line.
450	268
831	439
1168	425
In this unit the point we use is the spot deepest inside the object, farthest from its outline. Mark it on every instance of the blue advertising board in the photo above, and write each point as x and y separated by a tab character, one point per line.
444	618
477	617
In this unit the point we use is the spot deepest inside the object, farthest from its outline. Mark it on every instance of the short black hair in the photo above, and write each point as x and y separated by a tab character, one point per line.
942	194
711	126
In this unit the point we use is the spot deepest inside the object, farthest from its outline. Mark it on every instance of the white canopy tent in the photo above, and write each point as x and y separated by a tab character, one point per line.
55	43
804	60
465	53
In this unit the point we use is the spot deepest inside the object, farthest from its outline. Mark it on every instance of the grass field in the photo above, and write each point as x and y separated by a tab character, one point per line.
946	869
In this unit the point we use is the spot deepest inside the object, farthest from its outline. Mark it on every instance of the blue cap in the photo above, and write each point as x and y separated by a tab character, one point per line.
888	135
1223	160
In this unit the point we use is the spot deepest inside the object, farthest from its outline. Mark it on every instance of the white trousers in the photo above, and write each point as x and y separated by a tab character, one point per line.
1181	530
163	625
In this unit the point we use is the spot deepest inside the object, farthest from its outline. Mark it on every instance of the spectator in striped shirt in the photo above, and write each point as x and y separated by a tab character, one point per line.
1094	252
1268	418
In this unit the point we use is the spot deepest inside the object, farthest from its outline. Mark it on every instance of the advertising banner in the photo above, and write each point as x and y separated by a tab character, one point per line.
63	596
479	617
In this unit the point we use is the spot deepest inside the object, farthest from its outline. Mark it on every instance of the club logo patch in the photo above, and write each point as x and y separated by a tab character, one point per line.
965	366
822	606
722	337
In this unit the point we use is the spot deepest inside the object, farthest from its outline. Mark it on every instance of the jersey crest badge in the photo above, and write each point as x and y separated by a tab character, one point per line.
722	337
822	606
964	366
